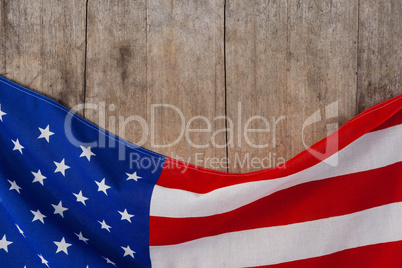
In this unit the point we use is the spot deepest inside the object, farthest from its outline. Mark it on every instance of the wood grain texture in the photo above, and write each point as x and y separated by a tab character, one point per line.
290	59
116	66
380	52
2	39
153	53
322	68
186	69
43	47
256	62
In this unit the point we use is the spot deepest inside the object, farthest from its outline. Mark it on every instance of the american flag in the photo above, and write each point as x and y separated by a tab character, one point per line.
70	197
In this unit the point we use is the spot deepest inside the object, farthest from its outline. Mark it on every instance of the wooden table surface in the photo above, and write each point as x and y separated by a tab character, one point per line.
153	67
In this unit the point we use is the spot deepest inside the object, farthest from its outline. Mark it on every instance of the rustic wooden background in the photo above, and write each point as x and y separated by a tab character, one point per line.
277	57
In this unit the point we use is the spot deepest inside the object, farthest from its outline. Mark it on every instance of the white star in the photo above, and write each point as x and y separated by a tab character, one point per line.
1	114
128	251
19	230
14	186
62	246
102	187
133	176
61	167
104	225
86	152
38	177
17	146
38	216
43	260
125	215
45	133
80	197
109	261
59	209
4	243
82	238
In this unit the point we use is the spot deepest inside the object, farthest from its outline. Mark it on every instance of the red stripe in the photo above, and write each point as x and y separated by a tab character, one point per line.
179	175
305	202
372	256
394	120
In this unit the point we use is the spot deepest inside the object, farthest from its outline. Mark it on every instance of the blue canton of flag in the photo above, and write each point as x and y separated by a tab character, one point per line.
68	195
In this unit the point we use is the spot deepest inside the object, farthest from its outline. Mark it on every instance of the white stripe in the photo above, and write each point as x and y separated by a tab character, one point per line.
273	245
372	150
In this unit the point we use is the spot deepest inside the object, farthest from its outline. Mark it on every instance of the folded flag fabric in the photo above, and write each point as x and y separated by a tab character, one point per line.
74	195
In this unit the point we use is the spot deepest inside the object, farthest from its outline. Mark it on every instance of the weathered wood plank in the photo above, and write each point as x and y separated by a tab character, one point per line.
163	53
43	47
2	42
256	39
380	53
323	67
116	66
186	69
291	61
